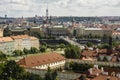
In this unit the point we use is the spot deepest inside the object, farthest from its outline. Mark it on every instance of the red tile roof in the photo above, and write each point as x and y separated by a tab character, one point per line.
102	77
20	36
6	39
41	59
90	53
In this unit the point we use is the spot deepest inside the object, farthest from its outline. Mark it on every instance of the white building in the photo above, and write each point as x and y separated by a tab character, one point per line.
94	32
43	61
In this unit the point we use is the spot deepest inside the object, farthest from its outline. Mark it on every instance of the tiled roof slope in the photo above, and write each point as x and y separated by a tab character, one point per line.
20	37
6	39
41	59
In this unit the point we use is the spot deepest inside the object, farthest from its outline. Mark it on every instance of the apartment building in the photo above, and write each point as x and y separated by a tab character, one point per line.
6	45
21	42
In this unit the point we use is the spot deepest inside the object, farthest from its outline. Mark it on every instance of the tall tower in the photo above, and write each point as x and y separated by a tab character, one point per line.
47	13
5	15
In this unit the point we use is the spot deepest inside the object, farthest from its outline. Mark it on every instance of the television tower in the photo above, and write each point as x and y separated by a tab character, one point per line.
47	13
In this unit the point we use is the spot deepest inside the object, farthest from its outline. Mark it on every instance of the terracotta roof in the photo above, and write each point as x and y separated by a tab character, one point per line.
110	70
41	59
33	38
103	77
95	72
5	39
20	36
90	53
102	51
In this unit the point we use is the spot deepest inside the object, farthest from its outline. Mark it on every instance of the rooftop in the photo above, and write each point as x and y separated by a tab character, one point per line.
41	59
5	39
20	36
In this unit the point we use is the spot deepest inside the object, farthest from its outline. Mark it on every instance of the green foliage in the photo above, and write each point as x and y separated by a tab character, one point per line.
89	44
77	67
33	50
62	46
104	46
105	36
18	53
12	71
26	51
99	58
42	48
3	57
73	52
50	75
105	59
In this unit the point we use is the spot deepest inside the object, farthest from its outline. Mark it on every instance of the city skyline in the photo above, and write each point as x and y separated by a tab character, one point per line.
29	8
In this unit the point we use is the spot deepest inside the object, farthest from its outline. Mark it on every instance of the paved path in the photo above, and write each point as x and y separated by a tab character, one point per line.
73	42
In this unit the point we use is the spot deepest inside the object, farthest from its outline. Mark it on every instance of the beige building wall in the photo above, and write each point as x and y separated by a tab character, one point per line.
35	43
93	31
1	32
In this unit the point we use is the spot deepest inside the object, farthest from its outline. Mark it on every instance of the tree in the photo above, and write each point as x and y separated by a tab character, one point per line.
33	50
62	46
105	59
82	77
11	70
99	58
18	53
89	44
26	51
73	52
42	48
50	75
3	57
117	38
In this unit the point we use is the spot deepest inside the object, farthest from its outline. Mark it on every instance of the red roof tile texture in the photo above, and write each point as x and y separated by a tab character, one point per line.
36	60
6	39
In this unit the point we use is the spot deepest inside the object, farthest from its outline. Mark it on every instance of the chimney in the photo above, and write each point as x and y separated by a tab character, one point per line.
90	71
102	69
96	66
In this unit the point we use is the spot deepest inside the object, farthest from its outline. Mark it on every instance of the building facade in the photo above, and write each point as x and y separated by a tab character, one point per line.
25	41
93	32
57	31
21	42
34	42
6	45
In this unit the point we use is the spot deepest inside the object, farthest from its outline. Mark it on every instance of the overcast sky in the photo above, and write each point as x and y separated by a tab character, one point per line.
18	8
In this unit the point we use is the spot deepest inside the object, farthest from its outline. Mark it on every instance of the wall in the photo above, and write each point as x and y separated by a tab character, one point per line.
61	75
51	65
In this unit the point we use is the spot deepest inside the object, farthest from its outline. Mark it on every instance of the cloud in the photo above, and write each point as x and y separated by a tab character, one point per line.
18	8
